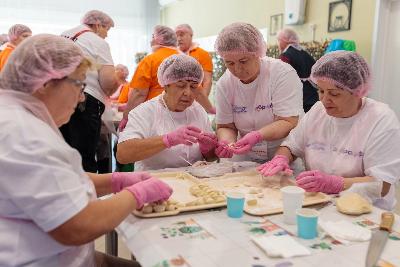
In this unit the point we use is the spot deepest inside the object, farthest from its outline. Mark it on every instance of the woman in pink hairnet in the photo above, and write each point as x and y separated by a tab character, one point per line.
348	141
171	129
50	215
16	34
258	99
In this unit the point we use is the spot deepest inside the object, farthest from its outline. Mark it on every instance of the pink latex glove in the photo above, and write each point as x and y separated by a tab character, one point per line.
317	181
207	142
247	142
120	180
223	150
279	163
150	190
122	124
213	110
186	135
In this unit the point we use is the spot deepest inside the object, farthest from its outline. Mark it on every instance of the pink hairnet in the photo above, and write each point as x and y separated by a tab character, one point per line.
122	68
16	30
345	69
38	60
288	35
165	36
96	17
184	28
179	67
3	38
239	38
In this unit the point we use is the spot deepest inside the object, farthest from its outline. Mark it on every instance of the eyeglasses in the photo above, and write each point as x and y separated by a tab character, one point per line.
77	83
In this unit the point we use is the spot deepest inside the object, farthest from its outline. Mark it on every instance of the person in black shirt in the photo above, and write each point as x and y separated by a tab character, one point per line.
300	60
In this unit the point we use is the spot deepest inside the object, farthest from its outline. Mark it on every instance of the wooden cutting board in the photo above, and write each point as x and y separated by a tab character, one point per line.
251	183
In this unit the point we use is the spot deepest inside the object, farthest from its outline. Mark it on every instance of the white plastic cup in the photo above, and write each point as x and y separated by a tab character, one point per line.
292	198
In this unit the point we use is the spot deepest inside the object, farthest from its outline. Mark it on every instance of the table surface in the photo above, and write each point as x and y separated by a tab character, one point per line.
210	239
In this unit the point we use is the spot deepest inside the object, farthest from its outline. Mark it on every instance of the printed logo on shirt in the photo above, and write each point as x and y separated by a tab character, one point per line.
263	107
238	109
323	147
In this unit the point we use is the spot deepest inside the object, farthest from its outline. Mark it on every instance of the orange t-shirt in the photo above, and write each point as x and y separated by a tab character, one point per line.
203	57
145	76
124	93
5	54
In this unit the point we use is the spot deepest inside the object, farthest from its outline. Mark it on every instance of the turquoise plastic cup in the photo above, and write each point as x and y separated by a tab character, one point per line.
235	203
307	222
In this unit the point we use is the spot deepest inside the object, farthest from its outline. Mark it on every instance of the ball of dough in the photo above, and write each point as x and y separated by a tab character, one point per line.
171	207
252	202
159	208
147	209
219	199
253	190
353	204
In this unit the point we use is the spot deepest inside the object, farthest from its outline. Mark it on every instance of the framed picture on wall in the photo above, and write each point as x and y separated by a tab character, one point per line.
275	24
339	16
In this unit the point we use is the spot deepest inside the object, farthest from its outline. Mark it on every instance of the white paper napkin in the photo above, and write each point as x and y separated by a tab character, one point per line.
345	231
280	246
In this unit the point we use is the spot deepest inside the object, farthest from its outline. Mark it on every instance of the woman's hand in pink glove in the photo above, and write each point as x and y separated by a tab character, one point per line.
247	142
207	142
122	124
186	135
120	180
317	181
223	150
149	191
279	163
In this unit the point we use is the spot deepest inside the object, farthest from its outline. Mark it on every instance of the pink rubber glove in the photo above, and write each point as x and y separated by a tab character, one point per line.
279	163
223	150
120	180
150	190
186	135
213	110
122	124
207	142
247	142
317	181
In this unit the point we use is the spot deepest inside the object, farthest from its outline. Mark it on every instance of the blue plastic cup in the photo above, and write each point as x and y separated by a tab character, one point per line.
307	221
235	203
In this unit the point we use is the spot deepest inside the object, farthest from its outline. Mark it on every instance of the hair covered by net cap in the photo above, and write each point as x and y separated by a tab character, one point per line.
97	17
122	68
164	35
288	35
184	28
179	67
345	69
16	30
38	60
240	38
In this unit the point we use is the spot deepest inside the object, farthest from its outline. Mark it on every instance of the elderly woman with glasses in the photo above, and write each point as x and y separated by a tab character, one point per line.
347	141
49	204
170	130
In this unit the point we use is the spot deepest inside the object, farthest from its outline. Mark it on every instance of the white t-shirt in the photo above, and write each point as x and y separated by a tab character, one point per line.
277	91
42	186
366	144
97	50
151	119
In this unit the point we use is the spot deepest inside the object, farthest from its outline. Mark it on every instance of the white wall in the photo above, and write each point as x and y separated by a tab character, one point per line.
386	54
134	19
